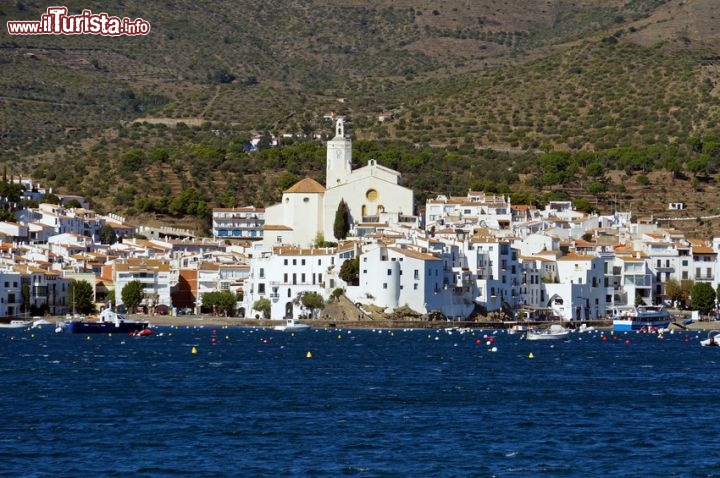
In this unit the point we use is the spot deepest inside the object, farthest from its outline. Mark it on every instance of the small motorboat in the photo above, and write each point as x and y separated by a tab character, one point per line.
555	332
15	324
142	333
39	323
713	339
291	325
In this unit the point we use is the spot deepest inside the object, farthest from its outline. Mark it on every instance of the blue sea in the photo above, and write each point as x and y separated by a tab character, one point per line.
366	403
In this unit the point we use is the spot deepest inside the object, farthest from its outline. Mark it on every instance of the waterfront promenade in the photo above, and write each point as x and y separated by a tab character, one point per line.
220	321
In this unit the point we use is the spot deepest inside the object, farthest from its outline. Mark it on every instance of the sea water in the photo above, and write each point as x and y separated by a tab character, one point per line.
252	402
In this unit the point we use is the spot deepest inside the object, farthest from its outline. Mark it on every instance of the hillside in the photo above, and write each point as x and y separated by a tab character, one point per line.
584	75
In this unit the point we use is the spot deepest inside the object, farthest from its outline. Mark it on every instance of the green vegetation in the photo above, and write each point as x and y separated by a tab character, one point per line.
341	226
312	301
107	235
263	306
80	295
219	302
350	271
531	102
703	297
132	294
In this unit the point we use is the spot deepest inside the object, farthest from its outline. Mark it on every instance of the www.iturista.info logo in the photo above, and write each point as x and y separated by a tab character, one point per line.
57	22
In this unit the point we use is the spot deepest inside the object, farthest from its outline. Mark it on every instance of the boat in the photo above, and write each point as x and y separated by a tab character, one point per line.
291	325
14	324
555	332
713	339
109	322
142	333
40	322
649	318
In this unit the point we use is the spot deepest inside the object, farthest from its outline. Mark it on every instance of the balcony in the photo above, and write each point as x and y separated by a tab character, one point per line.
704	277
638	280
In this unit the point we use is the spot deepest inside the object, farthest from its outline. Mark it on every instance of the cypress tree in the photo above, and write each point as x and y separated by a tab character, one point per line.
341	226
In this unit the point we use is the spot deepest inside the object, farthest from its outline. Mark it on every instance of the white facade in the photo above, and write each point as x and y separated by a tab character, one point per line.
477	208
308	208
579	295
498	272
10	294
155	277
392	277
238	223
287	273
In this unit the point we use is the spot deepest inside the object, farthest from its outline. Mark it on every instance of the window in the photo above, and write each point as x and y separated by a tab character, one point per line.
294	262
262	273
302	262
389	272
261	288
302	278
384	285
285	278
285	262
415	286
416	276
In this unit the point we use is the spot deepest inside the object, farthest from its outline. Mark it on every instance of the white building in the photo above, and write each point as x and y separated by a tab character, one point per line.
10	294
308	208
392	277
478	209
238	223
497	269
288	272
154	275
579	294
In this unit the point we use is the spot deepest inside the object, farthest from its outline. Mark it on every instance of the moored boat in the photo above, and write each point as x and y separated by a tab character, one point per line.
555	332
291	325
108	323
643	317
15	324
713	339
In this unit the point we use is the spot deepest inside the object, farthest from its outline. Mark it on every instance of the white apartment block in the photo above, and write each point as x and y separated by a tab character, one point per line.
580	294
497	268
477	209
288	272
238	223
392	277
154	275
10	294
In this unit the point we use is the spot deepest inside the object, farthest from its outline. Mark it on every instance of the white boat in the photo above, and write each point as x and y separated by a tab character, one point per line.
643	317
291	325
14	324
39	323
713	339
555	332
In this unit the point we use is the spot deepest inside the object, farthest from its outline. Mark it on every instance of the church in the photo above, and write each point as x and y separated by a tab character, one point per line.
373	194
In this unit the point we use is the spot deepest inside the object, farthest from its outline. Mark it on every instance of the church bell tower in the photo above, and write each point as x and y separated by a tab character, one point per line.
339	157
